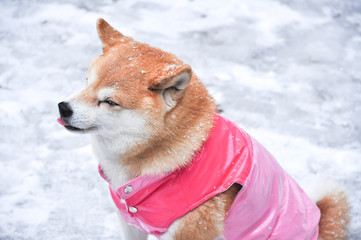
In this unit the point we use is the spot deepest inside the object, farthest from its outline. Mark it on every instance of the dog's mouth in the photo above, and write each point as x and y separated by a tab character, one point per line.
72	128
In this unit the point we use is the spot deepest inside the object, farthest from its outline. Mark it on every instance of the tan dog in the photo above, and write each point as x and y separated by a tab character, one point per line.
148	114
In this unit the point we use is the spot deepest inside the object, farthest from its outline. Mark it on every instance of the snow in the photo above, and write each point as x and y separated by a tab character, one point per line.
289	72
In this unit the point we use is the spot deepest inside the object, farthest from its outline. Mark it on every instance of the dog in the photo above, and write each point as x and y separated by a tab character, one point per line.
178	170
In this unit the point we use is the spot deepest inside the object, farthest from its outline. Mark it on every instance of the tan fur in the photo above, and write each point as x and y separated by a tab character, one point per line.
334	217
184	130
206	221
132	68
140	74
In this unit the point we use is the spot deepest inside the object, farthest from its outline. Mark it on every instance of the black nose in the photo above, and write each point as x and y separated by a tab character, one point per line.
65	109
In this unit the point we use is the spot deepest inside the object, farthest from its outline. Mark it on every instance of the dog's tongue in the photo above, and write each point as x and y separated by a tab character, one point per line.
62	122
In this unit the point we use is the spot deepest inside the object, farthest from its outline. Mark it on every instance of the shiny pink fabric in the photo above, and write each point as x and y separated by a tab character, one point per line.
269	206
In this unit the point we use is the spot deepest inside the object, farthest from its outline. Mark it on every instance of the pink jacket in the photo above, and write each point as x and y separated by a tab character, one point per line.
269	206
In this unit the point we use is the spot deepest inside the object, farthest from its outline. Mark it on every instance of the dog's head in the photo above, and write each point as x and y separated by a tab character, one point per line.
130	89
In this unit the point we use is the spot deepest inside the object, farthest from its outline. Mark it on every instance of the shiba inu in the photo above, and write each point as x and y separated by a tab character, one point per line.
178	170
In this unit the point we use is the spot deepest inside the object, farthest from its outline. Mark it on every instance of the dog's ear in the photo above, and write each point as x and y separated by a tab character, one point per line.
172	87
107	34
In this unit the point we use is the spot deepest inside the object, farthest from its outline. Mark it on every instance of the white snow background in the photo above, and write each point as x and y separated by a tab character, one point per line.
289	72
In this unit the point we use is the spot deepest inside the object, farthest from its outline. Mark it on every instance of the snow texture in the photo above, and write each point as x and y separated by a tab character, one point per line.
287	71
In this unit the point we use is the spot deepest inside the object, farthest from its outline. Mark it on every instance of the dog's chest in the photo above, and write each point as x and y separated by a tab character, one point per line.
114	172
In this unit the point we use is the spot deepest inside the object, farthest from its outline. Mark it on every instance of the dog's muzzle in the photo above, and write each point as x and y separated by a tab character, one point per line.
65	110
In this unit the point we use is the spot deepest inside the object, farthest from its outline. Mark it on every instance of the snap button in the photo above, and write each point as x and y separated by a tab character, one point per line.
133	209
128	189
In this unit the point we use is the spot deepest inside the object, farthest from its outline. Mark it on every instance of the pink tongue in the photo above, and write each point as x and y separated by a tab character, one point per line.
62	122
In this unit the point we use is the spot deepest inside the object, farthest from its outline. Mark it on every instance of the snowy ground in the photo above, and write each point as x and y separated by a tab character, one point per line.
289	72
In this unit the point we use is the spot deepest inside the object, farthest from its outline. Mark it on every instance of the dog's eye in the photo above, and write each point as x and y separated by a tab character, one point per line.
109	102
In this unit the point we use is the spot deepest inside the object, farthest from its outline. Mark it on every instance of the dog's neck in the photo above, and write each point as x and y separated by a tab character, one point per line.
187	126
110	151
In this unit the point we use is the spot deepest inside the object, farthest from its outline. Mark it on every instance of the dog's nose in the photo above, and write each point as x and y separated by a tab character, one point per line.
65	109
